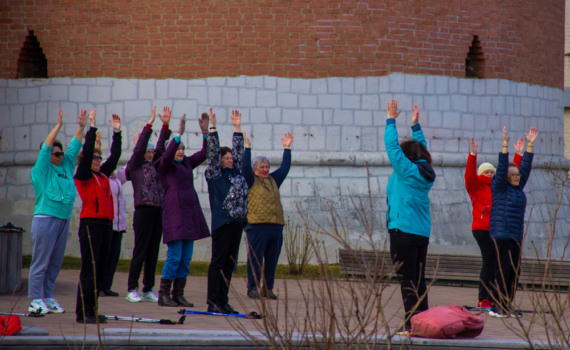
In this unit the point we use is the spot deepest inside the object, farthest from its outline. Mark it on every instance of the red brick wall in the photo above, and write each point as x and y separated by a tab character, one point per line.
522	40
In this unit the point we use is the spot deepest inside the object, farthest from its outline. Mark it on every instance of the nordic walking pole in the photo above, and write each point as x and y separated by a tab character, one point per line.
36	313
252	315
148	320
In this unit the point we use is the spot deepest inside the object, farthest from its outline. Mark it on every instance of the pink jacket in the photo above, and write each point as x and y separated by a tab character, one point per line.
116	181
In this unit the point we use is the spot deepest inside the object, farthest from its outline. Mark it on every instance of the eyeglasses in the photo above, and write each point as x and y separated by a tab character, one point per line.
515	175
97	158
58	154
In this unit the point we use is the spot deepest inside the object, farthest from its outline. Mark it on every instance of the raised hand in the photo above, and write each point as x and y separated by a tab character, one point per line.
91	117
213	120
204	120
136	139
519	146
82	118
115	123
59	118
165	117
98	139
236	120
392	109
182	126
531	136
152	116
415	115
247	141
474	146
505	136
288	140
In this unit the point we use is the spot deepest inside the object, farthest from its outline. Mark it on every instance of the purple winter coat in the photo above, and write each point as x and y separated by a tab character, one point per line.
182	216
116	181
146	186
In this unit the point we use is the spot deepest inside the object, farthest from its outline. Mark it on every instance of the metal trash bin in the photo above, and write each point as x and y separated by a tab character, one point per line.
10	258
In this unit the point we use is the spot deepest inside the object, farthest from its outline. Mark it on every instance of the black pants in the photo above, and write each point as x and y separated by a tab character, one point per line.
114	254
410	251
507	270
89	275
225	246
147	223
489	256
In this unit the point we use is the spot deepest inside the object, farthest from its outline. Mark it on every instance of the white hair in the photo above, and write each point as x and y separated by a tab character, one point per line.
257	160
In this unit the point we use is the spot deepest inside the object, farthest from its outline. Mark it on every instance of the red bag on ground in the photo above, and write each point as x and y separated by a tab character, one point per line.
452	321
10	325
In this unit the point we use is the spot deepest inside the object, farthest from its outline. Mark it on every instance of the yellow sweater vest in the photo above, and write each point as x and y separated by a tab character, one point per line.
265	203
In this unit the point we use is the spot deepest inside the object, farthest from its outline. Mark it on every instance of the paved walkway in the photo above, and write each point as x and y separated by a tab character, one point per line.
66	288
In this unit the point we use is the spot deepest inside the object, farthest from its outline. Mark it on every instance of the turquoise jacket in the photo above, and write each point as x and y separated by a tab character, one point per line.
409	186
54	186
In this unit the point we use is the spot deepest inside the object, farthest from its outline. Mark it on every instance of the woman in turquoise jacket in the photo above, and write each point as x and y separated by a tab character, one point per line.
52	178
409	220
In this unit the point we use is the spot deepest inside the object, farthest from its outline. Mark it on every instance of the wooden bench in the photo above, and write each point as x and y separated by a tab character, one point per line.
453	269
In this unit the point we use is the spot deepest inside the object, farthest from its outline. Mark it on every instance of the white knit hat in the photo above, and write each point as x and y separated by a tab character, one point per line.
485	166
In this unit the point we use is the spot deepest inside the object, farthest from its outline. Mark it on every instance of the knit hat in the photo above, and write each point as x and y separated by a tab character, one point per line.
150	145
168	143
485	166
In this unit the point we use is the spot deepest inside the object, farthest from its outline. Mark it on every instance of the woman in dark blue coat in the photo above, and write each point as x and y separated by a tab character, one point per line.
507	222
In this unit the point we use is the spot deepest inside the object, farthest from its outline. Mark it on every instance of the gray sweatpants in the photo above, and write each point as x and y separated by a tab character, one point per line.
49	235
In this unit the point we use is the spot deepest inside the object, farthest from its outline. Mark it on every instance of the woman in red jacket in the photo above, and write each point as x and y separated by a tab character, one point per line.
478	185
96	219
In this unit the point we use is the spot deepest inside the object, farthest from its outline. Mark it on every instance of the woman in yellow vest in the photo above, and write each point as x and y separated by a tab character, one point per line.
265	217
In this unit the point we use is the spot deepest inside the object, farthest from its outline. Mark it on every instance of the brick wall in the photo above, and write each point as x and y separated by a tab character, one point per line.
297	39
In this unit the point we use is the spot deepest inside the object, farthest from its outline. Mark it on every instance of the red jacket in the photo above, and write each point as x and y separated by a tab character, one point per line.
479	190
94	188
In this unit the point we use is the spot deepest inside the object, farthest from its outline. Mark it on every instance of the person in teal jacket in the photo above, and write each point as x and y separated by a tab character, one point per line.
408	217
52	178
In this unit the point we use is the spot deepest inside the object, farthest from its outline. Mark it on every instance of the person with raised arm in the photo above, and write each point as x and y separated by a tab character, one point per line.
96	219
182	218
408	217
478	185
507	223
265	219
116	181
147	220
52	178
228	192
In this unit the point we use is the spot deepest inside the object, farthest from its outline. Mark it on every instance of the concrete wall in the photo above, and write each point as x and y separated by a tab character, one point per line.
338	124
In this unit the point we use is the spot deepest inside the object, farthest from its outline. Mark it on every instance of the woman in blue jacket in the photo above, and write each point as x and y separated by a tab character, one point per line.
507	222
228	203
409	220
52	178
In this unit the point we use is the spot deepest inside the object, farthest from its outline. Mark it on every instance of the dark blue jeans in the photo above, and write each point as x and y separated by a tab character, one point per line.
114	255
489	256
264	247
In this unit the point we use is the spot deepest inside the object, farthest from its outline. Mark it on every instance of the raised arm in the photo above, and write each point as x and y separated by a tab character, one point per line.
472	182
139	151
165	162
526	164
50	139
519	149
280	174
200	156
400	163
111	163
164	133
214	155
44	158
83	172
246	169
501	176
82	121
417	132
237	140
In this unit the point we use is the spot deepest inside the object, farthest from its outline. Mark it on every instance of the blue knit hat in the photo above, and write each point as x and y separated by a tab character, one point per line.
150	145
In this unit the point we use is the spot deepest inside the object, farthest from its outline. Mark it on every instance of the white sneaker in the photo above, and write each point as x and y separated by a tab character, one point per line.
39	305
133	296
54	306
150	296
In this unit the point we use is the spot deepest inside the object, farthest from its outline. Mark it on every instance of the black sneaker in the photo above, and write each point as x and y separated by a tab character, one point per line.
268	293
102	319
108	293
229	309
498	311
253	293
87	320
215	309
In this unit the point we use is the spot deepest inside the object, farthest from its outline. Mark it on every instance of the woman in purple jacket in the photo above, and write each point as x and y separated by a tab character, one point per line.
183	220
147	220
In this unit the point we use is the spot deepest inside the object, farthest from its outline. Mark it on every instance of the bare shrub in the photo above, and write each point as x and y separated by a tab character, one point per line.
297	241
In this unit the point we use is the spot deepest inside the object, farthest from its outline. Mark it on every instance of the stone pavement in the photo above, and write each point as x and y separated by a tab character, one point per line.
66	287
